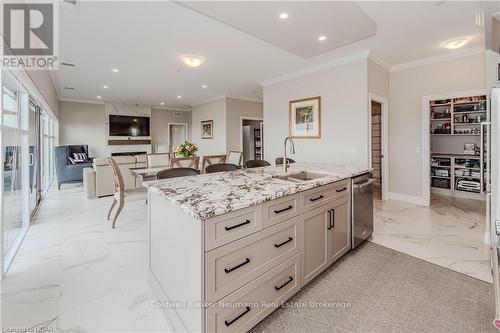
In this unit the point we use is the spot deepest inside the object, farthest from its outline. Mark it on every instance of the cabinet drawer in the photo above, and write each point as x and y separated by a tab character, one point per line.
324	194
281	209
246	307
233	265
226	228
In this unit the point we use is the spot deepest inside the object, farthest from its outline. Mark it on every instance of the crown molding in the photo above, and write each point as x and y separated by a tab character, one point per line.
337	62
379	61
246	99
432	60
76	100
211	99
166	108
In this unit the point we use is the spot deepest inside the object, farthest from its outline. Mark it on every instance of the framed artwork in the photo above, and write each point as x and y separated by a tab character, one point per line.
207	129
305	118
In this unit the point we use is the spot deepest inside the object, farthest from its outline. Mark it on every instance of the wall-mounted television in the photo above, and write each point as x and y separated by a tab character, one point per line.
128	125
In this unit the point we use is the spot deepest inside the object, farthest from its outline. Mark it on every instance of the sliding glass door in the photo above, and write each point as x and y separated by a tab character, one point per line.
34	153
15	176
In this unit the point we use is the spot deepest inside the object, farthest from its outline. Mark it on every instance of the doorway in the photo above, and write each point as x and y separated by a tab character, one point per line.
378	137
177	135
252	138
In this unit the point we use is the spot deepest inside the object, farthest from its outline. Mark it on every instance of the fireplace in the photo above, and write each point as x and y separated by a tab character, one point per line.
129	153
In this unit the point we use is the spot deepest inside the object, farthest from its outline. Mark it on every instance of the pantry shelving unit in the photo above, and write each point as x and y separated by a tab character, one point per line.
455	123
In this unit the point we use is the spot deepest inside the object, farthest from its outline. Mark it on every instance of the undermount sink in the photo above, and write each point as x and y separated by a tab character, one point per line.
302	176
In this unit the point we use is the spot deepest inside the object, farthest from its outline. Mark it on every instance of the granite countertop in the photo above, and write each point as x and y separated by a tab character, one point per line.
215	194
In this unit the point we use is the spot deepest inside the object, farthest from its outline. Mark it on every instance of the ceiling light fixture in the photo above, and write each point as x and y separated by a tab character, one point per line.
322	38
455	43
192	60
179	96
204	86
105	86
283	16
162	103
115	70
99	96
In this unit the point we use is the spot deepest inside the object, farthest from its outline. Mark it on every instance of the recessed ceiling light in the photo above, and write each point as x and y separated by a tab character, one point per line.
99	97
204	86
179	96
455	43
115	70
192	60
283	16
322	38
162	103
105	86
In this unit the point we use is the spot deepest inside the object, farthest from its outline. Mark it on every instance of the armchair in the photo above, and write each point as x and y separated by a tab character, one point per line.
69	173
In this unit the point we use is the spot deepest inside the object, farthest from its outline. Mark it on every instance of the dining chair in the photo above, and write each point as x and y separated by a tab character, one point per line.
185	162
177	172
221	167
158	160
119	195
212	159
256	163
279	160
234	157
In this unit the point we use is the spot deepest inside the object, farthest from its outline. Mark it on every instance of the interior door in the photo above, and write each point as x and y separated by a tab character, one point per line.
178	136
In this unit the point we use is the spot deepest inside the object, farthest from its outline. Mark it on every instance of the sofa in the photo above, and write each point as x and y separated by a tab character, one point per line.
101	175
66	172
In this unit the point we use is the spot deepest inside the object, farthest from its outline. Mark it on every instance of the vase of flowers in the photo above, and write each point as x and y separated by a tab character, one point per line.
186	149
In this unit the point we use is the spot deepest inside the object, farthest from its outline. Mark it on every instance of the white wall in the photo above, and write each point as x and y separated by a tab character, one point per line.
407	89
216	111
159	124
344	115
83	123
87	123
378	79
237	108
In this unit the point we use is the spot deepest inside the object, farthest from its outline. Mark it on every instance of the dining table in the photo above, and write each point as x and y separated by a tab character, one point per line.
147	174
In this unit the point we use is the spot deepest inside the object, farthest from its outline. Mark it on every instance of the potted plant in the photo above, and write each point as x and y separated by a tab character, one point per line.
186	149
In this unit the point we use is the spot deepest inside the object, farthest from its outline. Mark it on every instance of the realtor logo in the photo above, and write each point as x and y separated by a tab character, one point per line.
30	35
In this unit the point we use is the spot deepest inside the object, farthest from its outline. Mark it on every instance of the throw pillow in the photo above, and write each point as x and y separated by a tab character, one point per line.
79	157
71	160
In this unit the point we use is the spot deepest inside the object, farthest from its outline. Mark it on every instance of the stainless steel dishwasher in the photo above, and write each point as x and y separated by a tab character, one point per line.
362	208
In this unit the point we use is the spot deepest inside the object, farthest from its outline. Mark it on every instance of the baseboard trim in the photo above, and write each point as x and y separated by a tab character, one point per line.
406	198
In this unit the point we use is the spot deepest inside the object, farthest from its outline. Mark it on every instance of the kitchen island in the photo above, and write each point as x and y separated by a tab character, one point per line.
226	249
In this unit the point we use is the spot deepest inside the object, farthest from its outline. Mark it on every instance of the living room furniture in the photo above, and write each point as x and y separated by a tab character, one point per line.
256	163
89	183
119	195
102	175
67	172
235	157
220	167
158	160
212	159
185	162
177	172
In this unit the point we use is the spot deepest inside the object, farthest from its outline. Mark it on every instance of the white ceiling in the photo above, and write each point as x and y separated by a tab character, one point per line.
300	31
145	39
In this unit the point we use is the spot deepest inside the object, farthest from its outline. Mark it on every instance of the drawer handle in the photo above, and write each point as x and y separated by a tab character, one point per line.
290	279
229	270
247	310
237	225
281	244
317	198
283	210
341	190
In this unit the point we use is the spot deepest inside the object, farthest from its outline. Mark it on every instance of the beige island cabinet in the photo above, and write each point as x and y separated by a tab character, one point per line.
227	272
